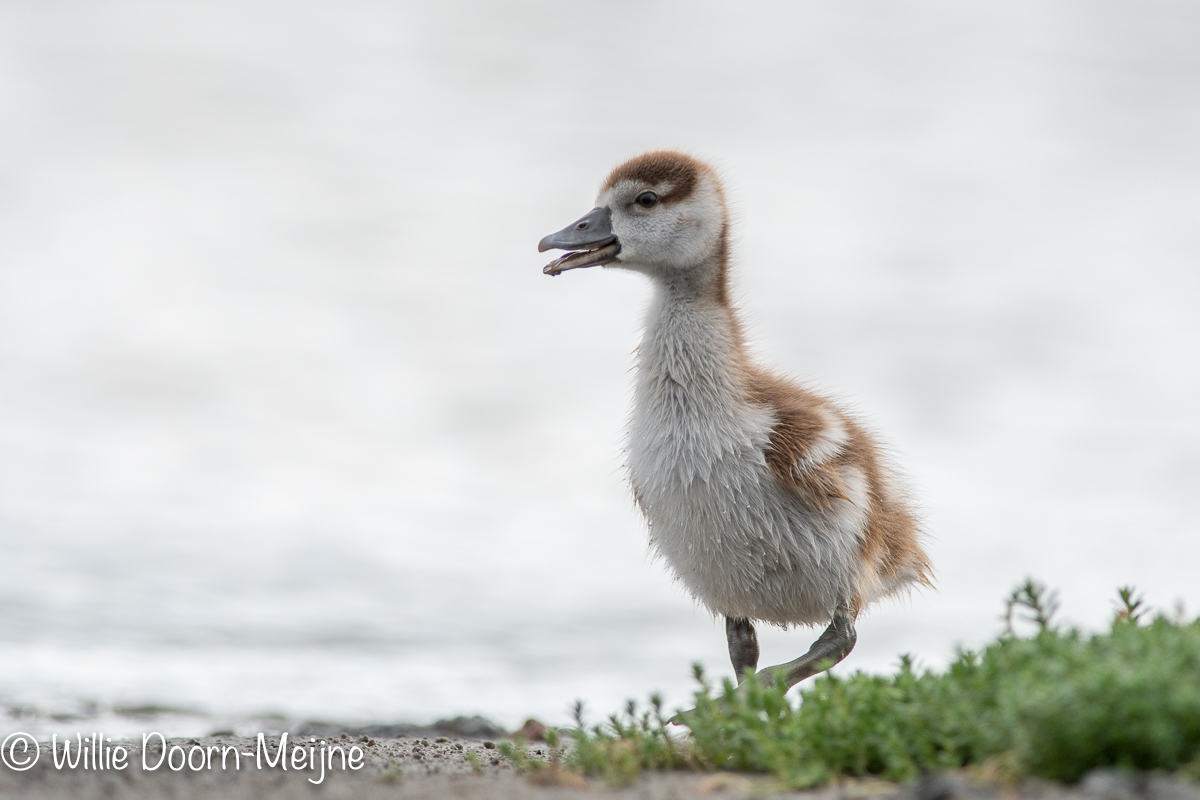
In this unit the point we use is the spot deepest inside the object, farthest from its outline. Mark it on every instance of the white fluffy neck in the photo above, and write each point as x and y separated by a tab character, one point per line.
689	406
693	342
702	283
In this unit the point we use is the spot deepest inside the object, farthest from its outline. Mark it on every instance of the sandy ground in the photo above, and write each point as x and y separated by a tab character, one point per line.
440	767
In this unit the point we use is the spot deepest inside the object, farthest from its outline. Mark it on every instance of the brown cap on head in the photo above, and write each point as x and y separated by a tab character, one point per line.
679	170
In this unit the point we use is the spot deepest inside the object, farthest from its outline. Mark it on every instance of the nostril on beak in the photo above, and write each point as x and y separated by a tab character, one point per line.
582	226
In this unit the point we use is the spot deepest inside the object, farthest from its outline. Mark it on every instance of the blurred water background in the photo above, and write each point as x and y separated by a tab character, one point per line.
291	422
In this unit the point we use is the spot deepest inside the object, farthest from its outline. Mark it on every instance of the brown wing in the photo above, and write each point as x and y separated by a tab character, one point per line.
812	446
808	438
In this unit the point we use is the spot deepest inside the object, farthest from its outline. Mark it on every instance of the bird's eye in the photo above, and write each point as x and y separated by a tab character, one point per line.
647	200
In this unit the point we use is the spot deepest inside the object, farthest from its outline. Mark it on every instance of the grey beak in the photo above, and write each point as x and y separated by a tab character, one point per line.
593	229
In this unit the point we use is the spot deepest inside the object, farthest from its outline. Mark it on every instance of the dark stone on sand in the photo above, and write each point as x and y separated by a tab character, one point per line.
949	786
475	727
328	729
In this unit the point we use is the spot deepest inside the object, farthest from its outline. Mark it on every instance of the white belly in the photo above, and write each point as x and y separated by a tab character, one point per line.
741	544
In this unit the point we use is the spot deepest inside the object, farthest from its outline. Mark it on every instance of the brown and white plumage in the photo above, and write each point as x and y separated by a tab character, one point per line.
768	501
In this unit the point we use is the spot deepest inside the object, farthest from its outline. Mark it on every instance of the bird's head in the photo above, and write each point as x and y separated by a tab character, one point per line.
661	213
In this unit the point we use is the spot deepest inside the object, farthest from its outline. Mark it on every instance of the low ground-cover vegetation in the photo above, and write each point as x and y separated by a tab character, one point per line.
1055	705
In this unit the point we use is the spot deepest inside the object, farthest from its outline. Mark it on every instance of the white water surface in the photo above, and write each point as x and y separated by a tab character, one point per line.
292	423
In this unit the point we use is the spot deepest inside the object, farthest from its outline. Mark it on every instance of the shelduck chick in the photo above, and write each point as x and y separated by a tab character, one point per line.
768	502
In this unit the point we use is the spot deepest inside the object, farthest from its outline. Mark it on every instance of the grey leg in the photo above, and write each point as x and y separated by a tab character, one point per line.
835	644
743	646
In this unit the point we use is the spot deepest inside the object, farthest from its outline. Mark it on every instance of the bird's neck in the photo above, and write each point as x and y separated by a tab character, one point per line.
706	282
692	336
690	405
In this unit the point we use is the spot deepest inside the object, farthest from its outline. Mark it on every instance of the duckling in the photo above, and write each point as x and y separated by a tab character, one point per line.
769	502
